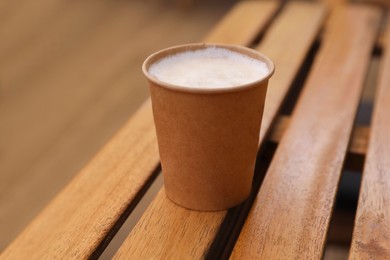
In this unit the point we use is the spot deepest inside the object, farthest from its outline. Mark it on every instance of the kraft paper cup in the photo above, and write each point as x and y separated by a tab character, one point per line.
207	138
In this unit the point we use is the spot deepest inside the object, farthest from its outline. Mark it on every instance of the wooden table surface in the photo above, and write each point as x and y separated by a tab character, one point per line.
308	138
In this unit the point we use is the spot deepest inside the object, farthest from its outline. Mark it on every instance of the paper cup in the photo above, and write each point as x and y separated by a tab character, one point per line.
207	138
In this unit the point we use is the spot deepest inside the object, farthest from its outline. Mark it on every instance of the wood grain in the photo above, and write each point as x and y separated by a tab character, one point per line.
288	58
290	217
79	218
358	143
163	217
167	231
233	28
371	238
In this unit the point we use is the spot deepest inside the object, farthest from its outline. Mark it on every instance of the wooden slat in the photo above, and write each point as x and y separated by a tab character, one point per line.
167	231
162	231
234	27
80	217
358	143
288	58
371	238
290	217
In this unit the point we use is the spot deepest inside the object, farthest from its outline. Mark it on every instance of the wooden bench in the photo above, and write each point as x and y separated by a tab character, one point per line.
322	56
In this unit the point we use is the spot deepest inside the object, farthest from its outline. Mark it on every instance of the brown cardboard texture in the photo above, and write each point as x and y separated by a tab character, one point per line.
208	138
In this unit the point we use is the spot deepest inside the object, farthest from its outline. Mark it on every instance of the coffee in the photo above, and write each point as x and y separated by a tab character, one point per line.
212	67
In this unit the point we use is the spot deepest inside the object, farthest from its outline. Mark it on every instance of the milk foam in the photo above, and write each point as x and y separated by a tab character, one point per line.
211	67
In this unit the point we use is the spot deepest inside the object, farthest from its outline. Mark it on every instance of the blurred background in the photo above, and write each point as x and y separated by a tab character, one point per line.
70	77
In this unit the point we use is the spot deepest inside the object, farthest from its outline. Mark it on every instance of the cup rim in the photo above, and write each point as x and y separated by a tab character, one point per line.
195	46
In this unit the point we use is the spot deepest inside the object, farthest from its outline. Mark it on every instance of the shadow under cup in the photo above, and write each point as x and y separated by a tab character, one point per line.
207	137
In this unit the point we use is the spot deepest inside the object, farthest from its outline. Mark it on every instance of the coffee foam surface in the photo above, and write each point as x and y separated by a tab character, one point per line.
211	67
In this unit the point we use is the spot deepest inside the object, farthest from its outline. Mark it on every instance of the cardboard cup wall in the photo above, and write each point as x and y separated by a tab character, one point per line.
207	104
